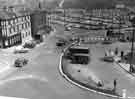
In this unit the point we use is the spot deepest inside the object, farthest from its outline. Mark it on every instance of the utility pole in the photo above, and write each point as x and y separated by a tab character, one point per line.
132	46
64	17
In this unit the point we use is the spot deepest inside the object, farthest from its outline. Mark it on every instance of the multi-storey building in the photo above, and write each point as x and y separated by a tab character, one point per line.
25	26
39	23
15	27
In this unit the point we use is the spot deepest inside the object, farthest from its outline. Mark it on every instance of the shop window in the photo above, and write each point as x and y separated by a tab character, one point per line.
6	42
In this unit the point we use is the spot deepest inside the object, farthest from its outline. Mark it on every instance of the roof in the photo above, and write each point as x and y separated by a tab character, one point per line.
5	14
80	47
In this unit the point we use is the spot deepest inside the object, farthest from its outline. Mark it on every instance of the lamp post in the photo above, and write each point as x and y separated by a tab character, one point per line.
64	17
132	20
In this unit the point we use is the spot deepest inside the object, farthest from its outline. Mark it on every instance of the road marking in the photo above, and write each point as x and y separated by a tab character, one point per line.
23	77
123	72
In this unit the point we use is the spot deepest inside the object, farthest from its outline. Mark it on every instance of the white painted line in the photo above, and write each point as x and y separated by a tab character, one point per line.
35	77
5	97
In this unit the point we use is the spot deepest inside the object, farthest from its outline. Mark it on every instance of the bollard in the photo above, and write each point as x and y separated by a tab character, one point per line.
124	93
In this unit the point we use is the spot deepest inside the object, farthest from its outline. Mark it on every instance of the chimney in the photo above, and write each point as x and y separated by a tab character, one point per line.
24	8
9	8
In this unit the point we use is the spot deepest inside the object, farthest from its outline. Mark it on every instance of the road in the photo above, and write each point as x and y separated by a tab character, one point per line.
41	79
109	71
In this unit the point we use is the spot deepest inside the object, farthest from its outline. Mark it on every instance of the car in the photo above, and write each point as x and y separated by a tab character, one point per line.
20	62
108	59
107	42
17	51
29	45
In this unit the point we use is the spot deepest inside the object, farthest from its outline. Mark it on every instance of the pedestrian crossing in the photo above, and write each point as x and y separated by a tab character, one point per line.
122	72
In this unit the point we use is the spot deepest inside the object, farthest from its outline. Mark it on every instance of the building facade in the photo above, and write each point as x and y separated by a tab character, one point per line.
15	28
39	23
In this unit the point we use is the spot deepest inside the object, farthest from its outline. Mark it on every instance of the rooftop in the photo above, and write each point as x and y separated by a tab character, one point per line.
11	12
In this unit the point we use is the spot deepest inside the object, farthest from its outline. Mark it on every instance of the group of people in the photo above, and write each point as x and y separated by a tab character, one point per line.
113	53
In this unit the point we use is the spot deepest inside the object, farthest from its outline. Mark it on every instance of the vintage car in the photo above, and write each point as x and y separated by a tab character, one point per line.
108	59
17	51
20	62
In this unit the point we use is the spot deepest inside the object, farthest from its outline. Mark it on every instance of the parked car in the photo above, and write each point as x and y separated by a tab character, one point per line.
107	42
108	59
29	45
20	62
17	51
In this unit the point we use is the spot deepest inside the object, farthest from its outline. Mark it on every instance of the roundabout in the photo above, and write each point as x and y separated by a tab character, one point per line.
113	71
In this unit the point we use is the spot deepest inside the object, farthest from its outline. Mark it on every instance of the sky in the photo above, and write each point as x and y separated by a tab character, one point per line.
68	3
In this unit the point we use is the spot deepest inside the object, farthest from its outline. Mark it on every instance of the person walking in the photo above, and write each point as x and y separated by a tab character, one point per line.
115	84
116	51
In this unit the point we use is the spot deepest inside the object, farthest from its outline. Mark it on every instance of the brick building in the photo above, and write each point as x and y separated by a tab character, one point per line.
15	27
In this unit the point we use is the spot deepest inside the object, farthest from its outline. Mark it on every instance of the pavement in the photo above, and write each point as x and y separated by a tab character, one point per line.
106	72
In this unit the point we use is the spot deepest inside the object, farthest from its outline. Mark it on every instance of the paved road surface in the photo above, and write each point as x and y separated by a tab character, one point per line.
41	78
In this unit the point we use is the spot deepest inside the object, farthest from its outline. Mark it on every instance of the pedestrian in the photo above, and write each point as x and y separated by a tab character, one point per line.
115	84
122	54
116	51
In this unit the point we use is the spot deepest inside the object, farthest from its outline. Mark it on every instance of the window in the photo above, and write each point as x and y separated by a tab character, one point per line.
15	20
28	24
6	22
20	27
10	41
15	28
26	17
29	17
24	26
19	19
6	32
29	33
2	23
3	32
11	22
23	35
23	18
12	29
6	42
9	31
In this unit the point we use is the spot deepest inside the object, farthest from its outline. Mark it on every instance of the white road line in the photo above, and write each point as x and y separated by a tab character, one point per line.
35	77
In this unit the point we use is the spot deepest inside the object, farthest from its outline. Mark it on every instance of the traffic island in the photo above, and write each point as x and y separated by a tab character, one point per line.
91	82
87	79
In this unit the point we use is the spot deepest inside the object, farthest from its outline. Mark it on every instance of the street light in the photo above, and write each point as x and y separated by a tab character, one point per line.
132	20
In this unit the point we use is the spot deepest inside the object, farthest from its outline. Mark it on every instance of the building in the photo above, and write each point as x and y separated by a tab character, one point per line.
15	27
25	26
39	23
